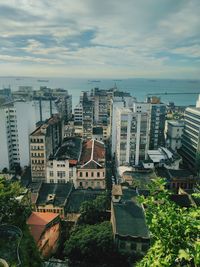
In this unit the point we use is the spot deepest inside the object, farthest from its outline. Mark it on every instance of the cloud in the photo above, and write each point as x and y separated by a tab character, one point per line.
103	36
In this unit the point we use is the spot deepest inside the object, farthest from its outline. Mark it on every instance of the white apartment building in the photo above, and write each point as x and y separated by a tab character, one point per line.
78	113
174	132
60	171
132	134
117	102
17	122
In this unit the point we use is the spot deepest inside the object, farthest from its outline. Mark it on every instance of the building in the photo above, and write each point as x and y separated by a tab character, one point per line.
44	142
157	124
17	122
45	229
97	133
174	134
163	157
132	134
115	103
78	113
62	166
191	138
53	198
87	123
100	102
91	171
130	230
178	178
76	198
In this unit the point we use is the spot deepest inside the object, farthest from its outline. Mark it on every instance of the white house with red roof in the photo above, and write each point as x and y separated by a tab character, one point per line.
91	170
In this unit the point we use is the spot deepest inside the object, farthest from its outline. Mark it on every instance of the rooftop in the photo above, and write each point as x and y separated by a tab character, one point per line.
70	149
97	130
59	193
93	152
38	222
130	220
176	123
41	130
116	190
77	197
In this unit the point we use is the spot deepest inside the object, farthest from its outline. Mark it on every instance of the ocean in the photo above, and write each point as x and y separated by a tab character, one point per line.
165	88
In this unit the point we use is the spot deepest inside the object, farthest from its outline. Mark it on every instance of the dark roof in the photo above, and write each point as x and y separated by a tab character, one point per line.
77	197
61	192
170	174
97	130
70	149
130	220
181	200
128	194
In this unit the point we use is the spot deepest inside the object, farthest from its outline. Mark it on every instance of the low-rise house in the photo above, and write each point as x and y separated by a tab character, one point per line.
178	178
61	168
45	229
53	198
91	171
76	198
130	231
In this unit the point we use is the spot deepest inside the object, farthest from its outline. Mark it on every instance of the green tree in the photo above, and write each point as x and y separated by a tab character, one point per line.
95	211
174	230
92	245
11	210
14	212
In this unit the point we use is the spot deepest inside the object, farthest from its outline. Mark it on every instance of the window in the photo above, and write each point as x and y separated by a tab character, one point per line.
51	181
92	174
81	174
98	174
86	174
60	174
51	173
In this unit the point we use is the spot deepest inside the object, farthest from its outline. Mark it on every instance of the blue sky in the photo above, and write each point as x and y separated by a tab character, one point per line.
107	38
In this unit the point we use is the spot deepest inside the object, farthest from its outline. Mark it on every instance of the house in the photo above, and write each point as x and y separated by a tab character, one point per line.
62	166
76	198
178	178
45	229
130	230
91	171
53	198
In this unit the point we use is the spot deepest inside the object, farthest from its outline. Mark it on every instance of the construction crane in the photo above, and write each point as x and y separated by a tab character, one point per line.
175	93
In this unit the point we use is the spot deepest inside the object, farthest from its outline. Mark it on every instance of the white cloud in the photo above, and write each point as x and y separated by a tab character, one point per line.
133	36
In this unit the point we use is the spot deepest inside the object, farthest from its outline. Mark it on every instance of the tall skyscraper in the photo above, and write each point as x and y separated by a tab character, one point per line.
191	137
132	134
44	142
157	127
17	121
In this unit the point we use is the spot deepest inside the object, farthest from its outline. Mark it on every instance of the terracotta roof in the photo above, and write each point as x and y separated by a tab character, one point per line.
117	190
92	150
38	221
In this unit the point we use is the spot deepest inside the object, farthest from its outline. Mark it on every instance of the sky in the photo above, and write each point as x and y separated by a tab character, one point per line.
100	38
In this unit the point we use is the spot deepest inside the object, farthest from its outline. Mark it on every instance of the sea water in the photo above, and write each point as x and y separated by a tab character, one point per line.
187	90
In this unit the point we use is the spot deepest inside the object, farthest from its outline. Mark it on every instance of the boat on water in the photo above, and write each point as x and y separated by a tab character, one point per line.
43	81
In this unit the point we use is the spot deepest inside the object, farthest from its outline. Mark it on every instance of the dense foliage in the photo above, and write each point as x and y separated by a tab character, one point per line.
14	211
92	245
95	211
175	231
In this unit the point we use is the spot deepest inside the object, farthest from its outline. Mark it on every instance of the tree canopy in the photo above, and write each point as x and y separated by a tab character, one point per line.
94	211
92	245
15	212
174	230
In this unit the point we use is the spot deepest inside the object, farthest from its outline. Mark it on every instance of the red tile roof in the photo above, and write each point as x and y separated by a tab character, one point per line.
92	150
38	221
